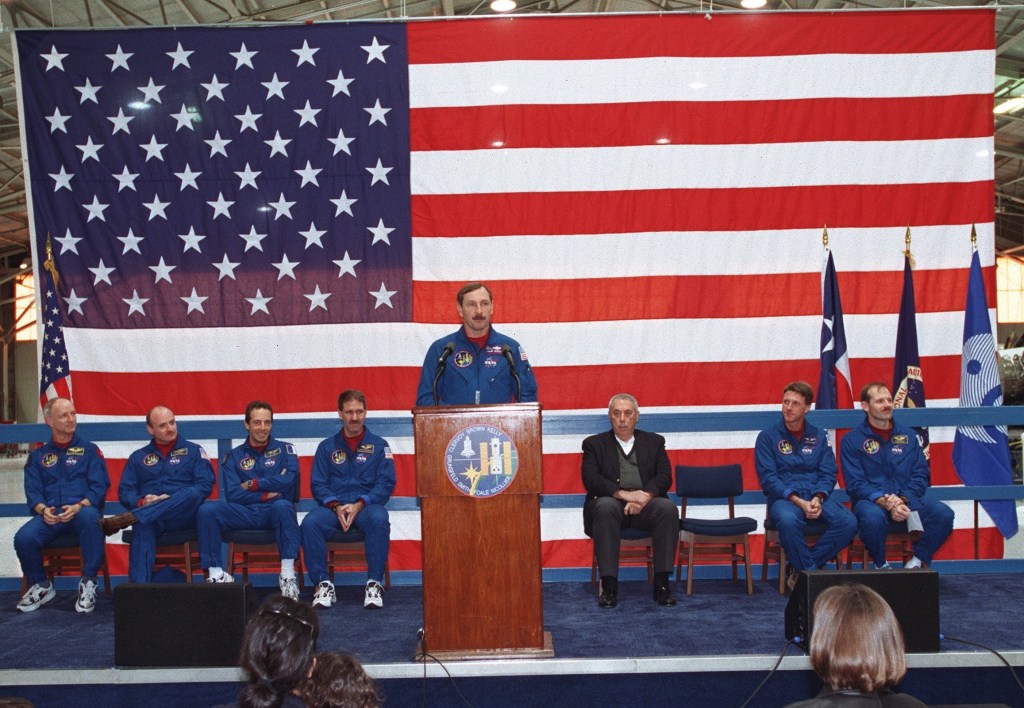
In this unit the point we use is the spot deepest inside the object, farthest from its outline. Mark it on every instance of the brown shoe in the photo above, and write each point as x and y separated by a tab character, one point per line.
113	524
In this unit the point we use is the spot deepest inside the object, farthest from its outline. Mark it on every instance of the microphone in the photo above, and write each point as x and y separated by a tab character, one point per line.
445	353
506	352
442	362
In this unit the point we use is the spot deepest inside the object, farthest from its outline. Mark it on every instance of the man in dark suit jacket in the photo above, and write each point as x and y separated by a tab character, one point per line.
626	473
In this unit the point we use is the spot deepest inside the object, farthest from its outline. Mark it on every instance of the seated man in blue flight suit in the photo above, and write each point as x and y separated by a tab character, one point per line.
475	364
259	478
797	469
164	484
353	477
65	483
887	477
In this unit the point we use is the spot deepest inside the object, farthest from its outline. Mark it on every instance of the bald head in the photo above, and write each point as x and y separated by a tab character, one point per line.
161	425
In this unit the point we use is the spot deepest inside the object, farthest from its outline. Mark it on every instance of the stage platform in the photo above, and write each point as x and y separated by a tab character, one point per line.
713	649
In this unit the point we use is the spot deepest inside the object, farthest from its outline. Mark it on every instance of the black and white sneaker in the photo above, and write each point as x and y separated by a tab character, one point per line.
289	587
36	597
223	578
325	595
374	595
86	601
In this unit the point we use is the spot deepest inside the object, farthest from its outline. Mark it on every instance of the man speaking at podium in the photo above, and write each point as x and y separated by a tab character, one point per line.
475	364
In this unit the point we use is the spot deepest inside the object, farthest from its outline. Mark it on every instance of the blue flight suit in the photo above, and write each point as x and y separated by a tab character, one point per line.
341	474
275	469
57	476
185	474
804	467
873	467
474	375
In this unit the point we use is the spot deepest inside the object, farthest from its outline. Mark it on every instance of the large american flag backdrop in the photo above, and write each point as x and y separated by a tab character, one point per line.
282	212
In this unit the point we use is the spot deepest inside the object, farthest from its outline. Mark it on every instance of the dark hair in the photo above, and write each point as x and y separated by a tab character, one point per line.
865	390
470	287
857	644
350	394
258	404
800	387
339	681
277	651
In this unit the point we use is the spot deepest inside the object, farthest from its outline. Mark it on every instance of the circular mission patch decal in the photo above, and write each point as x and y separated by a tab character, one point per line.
481	460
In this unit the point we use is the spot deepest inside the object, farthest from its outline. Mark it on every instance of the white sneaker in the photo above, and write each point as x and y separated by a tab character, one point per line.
225	578
374	595
289	587
325	595
36	597
86	596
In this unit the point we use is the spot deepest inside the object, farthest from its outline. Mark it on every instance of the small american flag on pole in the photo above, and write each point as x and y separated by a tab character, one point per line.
55	374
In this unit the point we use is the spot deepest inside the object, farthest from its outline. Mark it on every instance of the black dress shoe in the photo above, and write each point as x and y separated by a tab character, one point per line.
608	599
664	597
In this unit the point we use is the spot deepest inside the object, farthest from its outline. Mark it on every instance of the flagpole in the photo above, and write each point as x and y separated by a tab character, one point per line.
908	382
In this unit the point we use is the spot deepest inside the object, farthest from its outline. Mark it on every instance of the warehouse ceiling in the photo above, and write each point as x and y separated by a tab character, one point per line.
17	14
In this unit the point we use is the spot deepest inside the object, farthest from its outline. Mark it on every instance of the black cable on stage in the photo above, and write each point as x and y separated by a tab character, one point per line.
770	673
993	651
423	656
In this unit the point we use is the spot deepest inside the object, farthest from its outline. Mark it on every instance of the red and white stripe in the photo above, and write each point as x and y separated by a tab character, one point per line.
645	196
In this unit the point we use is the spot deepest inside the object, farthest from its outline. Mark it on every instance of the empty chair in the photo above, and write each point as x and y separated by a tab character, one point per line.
716	538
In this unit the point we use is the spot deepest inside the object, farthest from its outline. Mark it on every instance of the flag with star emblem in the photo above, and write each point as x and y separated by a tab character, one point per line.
55	376
232	200
284	212
981	452
834	386
252	204
908	382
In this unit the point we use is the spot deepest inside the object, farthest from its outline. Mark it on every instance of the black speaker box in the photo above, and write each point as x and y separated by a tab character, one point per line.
180	624
913	596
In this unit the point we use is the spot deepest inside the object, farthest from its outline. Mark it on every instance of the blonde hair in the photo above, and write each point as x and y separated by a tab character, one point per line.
856	642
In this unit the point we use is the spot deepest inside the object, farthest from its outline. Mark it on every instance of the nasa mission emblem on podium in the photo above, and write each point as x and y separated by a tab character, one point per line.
481	460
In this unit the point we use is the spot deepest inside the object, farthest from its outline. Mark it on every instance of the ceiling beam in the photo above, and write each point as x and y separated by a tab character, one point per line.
230	12
22	9
1012	154
188	11
139	19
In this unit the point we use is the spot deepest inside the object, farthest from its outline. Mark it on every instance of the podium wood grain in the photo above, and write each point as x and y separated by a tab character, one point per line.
481	556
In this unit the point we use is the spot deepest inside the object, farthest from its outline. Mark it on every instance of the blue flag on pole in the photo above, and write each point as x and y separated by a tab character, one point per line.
981	453
908	385
834	388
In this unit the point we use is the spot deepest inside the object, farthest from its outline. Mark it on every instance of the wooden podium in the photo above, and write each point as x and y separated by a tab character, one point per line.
481	530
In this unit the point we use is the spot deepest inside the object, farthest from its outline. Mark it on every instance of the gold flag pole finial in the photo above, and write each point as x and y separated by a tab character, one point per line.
824	237
907	253
50	264
974	238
